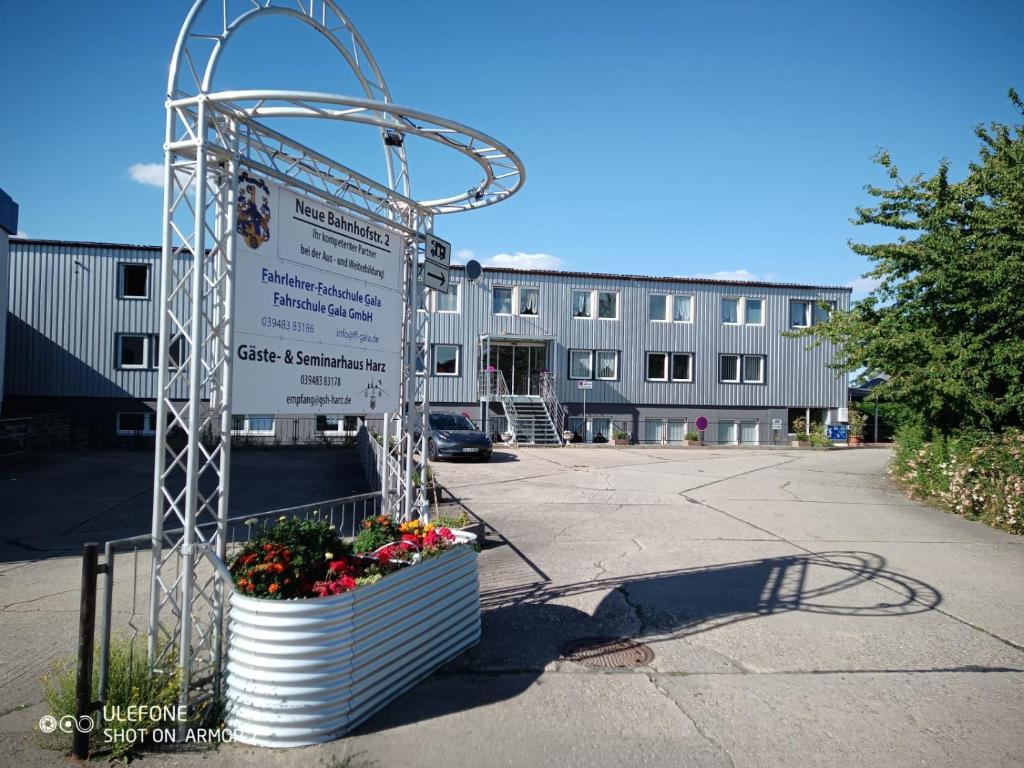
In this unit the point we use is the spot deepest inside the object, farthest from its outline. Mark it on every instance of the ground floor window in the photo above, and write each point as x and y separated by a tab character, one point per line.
340	425
749	432
142	423
727	432
250	424
652	431
676	431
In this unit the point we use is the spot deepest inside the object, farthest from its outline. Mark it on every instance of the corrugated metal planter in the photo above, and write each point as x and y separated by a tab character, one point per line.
306	671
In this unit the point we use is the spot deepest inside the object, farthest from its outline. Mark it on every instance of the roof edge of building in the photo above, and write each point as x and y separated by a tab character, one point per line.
500	270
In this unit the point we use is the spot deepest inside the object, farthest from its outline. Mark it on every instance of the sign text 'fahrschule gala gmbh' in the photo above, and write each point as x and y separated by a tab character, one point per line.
318	307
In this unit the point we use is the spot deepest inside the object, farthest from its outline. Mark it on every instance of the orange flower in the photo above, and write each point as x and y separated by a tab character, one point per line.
273	588
242	582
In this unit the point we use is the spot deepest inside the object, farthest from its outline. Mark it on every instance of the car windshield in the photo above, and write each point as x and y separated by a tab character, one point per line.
449	421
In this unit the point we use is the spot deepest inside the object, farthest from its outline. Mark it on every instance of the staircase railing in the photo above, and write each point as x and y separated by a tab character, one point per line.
549	396
491	385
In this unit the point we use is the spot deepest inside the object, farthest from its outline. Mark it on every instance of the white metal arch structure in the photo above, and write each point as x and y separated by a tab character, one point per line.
210	137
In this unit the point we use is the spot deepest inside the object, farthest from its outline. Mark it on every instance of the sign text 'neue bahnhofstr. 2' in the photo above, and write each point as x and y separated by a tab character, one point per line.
318	307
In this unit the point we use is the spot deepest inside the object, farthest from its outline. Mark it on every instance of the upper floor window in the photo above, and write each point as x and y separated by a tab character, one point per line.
748	369
502	300
133	281
447	302
608	305
582	305
133	350
742	310
669	366
803	312
607	364
664	308
446	360
581	364
529	301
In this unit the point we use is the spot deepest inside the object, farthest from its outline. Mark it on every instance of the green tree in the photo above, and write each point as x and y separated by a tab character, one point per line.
946	321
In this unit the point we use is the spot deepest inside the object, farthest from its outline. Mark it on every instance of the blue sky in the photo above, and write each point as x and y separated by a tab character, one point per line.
664	138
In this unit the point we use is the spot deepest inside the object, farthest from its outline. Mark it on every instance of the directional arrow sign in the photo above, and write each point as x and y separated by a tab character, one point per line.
435	276
437	250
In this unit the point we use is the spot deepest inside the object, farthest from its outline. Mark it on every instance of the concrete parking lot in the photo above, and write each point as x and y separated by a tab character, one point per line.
800	611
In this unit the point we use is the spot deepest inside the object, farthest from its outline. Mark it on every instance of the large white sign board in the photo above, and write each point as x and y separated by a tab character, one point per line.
317	310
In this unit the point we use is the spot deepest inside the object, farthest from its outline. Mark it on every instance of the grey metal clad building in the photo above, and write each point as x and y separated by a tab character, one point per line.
510	348
8	227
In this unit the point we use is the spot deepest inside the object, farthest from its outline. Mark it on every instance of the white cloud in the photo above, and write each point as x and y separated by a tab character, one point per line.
728	274
22	233
151	174
520	260
462	256
862	286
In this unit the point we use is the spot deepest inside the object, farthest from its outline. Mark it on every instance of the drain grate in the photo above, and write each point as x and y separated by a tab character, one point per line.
608	653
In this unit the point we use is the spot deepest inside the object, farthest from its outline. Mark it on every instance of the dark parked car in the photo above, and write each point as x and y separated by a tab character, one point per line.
452	434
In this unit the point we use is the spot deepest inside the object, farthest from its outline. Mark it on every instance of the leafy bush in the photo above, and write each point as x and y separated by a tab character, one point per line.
375	533
451	519
284	560
974	474
819	440
693	436
129	684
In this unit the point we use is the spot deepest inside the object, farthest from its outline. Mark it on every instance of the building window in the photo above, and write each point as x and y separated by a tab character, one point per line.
729	369
804	313
581	364
132	351
742	311
581	304
657	366
252	424
136	423
502	300
750	366
652	430
607	365
342	425
753	310
447	302
753	369
682	309
133	281
657	308
175	352
446	360
608	305
682	366
529	301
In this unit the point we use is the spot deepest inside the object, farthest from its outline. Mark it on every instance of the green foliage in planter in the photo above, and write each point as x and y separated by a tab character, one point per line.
128	684
819	440
416	476
693	437
857	419
620	435
375	533
285	559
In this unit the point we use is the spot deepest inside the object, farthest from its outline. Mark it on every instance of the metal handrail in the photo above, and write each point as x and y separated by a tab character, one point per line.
491	384
549	396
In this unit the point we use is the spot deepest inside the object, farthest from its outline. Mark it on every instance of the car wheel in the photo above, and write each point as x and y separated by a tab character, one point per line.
432	451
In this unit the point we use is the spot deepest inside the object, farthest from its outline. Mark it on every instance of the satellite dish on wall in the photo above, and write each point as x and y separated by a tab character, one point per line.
473	269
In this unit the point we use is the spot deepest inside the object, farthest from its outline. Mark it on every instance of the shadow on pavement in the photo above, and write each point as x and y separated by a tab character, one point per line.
524	630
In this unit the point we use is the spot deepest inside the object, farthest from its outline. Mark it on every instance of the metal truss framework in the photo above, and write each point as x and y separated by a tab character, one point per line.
210	138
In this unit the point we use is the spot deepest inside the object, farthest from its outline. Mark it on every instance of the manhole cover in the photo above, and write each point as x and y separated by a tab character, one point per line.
608	653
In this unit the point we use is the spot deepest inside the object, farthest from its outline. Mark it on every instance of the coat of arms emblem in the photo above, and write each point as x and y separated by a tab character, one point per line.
253	210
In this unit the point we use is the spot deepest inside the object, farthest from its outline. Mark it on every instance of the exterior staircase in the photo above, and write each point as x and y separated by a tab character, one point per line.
533	424
532	419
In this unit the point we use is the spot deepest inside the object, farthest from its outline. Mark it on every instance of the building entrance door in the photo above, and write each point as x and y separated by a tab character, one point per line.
520	365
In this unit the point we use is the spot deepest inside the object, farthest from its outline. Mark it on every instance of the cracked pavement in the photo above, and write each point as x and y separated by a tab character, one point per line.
801	610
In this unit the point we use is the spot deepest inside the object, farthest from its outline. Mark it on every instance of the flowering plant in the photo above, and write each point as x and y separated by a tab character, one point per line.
287	558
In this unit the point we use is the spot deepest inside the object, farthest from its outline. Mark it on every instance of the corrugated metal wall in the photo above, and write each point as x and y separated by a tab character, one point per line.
65	314
64	317
795	376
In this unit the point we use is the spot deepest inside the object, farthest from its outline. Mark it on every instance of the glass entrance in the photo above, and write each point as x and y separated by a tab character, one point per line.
520	365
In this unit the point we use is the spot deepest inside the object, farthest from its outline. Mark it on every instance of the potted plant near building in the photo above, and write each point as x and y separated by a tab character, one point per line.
620	438
857	420
692	438
801	439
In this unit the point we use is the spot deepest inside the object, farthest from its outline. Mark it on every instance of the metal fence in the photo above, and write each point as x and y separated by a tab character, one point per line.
666	431
126	581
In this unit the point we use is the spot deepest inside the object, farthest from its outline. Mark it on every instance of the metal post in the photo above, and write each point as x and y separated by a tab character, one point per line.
105	619
584	435
86	630
876	421
383	473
